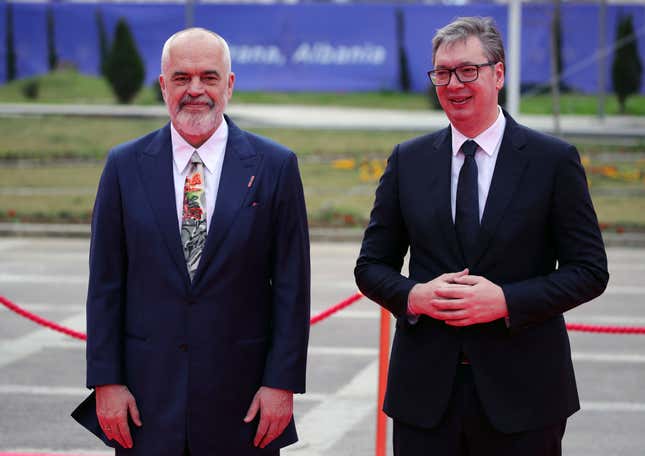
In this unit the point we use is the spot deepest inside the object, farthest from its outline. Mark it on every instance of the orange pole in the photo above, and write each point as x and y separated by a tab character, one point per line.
384	353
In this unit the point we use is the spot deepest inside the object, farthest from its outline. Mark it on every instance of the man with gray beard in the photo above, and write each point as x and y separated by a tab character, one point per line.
199	288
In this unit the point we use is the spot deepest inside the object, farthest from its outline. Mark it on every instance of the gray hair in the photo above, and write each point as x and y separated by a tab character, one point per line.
166	47
463	28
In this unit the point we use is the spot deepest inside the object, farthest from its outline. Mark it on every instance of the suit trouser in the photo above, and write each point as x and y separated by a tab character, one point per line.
262	452
466	431
187	452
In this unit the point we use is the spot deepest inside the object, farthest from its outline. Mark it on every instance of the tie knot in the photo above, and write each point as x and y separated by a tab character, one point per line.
469	148
196	159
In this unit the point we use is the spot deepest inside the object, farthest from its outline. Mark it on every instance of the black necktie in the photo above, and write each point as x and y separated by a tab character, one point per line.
467	205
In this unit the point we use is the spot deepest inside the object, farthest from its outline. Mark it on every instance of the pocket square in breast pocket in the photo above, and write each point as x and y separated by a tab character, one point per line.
255	204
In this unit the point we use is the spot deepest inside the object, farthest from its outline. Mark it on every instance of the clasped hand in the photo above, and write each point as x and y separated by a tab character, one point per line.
458	299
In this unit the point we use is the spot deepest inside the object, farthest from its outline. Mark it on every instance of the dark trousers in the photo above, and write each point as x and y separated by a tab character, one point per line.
466	431
265	452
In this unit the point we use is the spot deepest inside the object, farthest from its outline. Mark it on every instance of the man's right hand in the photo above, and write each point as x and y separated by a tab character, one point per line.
421	294
113	403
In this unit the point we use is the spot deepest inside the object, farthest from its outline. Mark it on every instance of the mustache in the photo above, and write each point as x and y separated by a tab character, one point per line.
202	99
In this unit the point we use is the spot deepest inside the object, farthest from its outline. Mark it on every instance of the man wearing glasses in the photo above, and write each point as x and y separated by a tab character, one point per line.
503	239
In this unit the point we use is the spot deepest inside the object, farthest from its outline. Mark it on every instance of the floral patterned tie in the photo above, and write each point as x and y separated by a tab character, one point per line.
193	220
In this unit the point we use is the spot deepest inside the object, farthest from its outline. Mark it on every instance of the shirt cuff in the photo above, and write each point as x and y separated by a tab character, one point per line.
412	317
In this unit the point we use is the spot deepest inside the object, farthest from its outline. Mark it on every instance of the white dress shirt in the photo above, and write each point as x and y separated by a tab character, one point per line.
212	154
488	143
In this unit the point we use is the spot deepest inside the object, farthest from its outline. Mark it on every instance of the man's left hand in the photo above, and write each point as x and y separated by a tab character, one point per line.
470	300
276	408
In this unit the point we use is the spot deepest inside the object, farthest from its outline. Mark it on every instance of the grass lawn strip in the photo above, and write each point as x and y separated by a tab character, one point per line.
68	86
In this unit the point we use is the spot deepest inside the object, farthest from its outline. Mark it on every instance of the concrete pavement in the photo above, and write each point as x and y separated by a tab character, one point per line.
42	372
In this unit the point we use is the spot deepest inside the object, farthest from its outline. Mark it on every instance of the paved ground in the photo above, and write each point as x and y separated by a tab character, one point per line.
330	117
42	373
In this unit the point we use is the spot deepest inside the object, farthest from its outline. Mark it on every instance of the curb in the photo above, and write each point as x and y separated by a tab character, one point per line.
339	234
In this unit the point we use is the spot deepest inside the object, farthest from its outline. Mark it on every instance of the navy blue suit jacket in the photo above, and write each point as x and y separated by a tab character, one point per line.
193	355
539	240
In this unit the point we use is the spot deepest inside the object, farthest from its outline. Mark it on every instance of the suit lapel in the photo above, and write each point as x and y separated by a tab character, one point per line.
240	163
442	165
509	167
155	166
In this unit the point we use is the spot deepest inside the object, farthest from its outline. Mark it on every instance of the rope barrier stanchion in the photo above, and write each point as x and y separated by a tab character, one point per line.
383	361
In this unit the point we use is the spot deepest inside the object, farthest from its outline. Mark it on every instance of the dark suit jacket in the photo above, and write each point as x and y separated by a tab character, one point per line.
539	240
193	355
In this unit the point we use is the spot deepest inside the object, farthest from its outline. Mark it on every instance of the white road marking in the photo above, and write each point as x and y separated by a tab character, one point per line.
12	244
625	358
43	279
49	307
346	408
625	290
598	406
629	267
43	390
33	342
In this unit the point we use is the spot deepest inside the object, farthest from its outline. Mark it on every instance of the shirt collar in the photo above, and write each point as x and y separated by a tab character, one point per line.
486	140
182	151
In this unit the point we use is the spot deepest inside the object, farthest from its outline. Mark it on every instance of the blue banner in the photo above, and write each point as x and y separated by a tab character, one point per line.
77	36
422	22
30	38
3	37
535	59
316	47
308	47
581	43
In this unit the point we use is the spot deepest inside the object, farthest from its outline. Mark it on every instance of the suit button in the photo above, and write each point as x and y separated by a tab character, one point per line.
183	347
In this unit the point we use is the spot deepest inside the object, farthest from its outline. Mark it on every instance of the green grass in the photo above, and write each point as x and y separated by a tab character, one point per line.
64	189
68	86
575	103
67	137
52	137
621	212
65	192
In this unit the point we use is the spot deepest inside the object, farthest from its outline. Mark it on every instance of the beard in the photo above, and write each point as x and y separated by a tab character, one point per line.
196	123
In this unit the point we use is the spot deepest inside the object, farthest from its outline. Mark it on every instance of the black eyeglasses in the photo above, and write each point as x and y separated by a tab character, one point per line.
464	73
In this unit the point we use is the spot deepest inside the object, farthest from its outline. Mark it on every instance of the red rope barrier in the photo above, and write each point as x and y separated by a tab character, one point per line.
78	335
333	309
315	319
40	320
606	329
